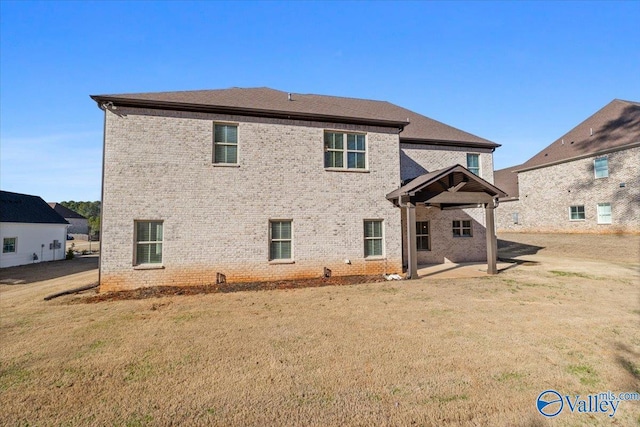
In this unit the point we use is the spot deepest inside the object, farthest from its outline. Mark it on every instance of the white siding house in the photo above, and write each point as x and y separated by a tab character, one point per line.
30	231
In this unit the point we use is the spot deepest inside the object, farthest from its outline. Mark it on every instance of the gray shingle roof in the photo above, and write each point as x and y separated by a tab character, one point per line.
274	103
16	207
507	180
64	211
615	125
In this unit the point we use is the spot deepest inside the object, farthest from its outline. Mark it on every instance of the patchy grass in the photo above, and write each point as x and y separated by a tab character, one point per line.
574	274
426	352
585	373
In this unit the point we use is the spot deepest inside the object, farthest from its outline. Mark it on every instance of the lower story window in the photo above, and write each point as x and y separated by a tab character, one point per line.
148	242
577	212
373	238
280	240
422	236
461	228
515	217
604	213
9	245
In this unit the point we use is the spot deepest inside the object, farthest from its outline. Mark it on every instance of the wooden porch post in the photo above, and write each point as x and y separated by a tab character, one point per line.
492	242
412	253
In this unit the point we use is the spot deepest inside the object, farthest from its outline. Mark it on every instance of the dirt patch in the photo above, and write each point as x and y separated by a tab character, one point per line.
162	291
617	248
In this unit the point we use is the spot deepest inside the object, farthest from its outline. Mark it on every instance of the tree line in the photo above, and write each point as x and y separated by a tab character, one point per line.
89	210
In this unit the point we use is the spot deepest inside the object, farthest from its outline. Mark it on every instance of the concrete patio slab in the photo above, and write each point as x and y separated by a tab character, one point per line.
458	270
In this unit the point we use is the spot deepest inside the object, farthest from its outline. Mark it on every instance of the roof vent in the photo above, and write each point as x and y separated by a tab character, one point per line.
289	96
590	131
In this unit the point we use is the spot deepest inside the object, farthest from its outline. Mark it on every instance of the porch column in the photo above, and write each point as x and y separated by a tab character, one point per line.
492	242
412	253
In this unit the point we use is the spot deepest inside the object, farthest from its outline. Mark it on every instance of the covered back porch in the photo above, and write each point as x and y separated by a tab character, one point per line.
441	196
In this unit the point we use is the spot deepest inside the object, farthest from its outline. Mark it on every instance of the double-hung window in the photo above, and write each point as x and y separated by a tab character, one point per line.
345	150
280	240
225	144
461	228
473	163
422	236
604	213
148	242
373	238
576	213
9	245
601	167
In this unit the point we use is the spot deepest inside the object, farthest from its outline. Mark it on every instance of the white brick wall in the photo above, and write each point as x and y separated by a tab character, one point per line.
546	195
444	246
418	159
158	165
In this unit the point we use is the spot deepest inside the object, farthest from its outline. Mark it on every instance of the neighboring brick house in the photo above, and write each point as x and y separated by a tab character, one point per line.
77	223
258	184
30	230
586	181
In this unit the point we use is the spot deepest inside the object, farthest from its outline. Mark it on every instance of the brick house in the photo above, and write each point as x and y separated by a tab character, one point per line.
258	184
588	180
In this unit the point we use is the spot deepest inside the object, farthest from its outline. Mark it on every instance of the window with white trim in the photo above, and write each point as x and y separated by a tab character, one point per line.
148	242
604	213
9	245
225	144
280	240
373	238
601	167
473	163
461	228
576	213
423	241
345	150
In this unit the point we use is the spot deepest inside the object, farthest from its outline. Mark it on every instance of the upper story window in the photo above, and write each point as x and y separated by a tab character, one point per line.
473	163
345	150
225	144
148	242
601	167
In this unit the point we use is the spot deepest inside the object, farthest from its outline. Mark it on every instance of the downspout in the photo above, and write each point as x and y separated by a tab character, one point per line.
104	152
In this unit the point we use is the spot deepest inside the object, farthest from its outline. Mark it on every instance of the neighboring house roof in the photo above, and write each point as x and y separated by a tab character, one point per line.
16	207
615	126
65	212
507	180
274	103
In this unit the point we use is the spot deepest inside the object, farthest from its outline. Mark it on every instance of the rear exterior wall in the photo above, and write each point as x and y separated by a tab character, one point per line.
159	166
418	159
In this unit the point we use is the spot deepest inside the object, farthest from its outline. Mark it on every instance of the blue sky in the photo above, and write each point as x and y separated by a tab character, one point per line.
518	73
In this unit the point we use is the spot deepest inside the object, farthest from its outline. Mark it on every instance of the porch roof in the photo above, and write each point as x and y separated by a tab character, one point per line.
450	187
